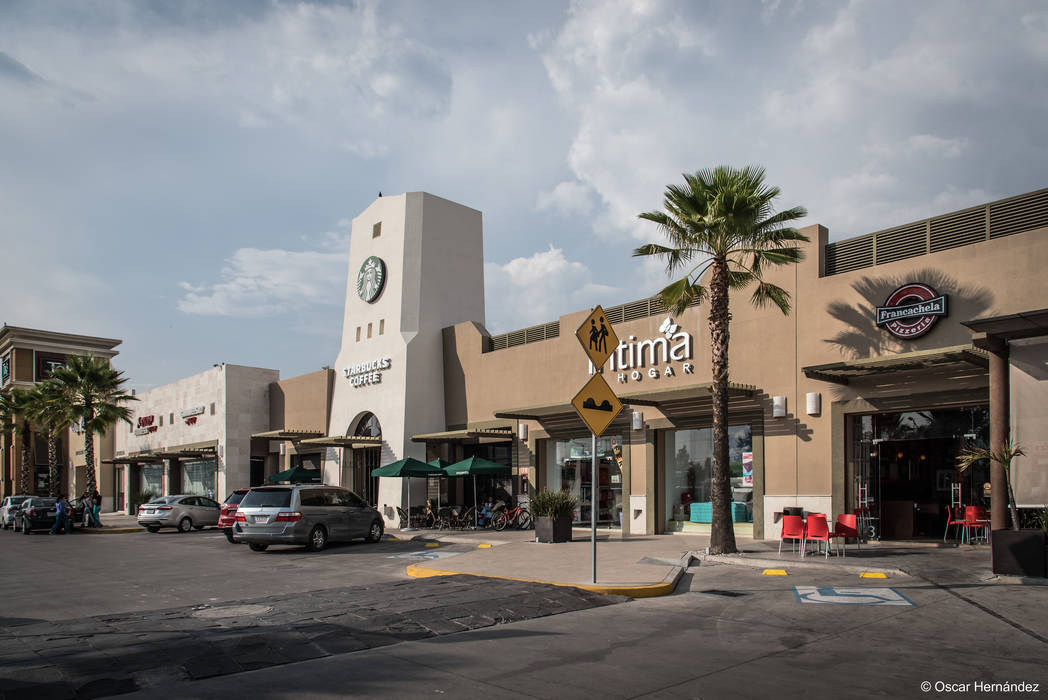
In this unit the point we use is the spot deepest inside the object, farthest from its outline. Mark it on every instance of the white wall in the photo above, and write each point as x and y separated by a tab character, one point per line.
1028	378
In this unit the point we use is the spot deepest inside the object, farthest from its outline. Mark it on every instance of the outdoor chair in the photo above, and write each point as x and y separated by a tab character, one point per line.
975	519
466	519
951	520
816	530
792	529
847	525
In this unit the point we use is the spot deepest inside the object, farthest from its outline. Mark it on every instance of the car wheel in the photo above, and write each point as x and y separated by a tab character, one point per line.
317	539
229	535
185	524
375	533
25	527
258	547
153	528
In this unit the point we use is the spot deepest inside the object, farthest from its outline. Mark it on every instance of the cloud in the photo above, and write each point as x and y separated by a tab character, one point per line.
15	70
567	198
258	283
539	288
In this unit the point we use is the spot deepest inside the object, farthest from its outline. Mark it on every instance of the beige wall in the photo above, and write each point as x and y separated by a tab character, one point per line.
302	402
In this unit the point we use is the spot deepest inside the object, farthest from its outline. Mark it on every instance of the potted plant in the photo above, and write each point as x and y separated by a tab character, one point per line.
553	511
1018	551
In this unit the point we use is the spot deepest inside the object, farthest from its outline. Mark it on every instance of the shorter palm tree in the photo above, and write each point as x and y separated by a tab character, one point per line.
1004	455
15	406
51	409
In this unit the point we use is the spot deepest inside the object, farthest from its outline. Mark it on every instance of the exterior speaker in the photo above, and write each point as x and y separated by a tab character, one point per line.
814	401
522	432
778	406
283	448
637	421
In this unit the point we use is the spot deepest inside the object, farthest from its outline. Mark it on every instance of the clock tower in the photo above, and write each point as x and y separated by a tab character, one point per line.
416	266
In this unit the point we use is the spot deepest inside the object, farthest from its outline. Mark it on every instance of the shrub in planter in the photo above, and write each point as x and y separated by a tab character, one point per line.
553	511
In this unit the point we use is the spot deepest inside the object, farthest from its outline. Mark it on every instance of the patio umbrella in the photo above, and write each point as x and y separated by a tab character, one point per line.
407	467
295	475
474	466
440	464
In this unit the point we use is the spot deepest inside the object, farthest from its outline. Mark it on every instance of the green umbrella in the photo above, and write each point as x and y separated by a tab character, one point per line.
296	475
407	467
472	467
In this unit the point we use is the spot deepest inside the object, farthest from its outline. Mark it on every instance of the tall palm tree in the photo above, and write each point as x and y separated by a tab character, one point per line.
721	224
93	391
50	408
15	406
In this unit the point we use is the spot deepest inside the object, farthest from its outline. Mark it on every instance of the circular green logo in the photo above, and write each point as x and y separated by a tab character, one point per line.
371	278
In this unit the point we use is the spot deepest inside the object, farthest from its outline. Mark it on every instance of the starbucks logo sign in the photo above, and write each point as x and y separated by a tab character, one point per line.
911	310
371	278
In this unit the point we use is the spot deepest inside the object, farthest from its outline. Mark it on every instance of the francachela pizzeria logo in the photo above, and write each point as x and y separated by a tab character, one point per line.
911	310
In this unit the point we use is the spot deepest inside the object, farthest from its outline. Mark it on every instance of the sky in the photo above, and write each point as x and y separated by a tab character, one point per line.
181	175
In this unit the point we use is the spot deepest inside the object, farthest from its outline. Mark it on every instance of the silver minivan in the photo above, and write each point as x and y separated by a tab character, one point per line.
309	514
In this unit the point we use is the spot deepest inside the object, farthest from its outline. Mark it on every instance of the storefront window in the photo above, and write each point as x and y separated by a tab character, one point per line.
153	480
571	468
198	478
689	471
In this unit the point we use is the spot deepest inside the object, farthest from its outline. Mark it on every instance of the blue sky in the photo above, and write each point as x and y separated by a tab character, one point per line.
181	174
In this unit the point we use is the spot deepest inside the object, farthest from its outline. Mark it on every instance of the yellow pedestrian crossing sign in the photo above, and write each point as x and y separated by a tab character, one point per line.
597	337
597	404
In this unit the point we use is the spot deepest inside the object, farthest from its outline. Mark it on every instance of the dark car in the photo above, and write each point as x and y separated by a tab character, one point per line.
36	513
228	517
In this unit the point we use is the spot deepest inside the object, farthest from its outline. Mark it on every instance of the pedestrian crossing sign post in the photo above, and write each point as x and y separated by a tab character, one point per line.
597	337
596	403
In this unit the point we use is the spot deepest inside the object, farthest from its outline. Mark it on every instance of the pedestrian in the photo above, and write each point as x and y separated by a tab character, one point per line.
96	509
85	503
61	517
486	511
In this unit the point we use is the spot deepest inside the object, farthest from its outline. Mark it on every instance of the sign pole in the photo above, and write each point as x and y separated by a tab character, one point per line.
593	505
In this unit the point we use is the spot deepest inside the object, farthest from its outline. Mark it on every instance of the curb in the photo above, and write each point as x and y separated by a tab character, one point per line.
110	530
760	563
635	590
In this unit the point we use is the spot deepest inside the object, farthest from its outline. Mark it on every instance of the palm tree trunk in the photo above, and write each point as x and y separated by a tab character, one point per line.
89	449
52	463
28	484
722	532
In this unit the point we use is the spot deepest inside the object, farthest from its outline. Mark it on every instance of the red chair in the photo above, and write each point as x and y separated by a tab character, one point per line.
816	530
792	529
975	519
952	519
847	525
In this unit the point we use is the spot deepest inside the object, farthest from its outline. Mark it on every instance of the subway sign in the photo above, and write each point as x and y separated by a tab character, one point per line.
911	310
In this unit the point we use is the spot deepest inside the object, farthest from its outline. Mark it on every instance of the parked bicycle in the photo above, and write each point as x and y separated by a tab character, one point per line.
519	517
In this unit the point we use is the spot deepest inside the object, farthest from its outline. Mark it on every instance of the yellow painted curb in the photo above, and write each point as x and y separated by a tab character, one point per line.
483	546
650	590
872	574
774	572
433	544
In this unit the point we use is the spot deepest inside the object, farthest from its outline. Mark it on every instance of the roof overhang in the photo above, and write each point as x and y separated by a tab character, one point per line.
478	436
134	459
1028	324
289	434
965	356
184	454
343	441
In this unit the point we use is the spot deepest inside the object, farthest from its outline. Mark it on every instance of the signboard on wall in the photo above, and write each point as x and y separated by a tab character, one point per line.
747	469
46	364
911	310
5	369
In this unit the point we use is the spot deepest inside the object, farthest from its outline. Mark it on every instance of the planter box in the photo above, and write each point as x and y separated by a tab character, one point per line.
553	529
1019	552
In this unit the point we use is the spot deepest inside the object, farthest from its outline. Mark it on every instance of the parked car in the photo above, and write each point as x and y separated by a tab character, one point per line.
227	518
312	515
8	507
182	511
36	513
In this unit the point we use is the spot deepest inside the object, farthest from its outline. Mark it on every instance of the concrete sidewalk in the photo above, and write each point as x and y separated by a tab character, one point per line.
645	566
114	524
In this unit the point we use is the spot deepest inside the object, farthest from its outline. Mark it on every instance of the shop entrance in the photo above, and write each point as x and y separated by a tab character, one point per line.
903	469
363	484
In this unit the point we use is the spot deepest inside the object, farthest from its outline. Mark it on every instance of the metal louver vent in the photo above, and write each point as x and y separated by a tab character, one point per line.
635	310
852	254
1018	214
535	333
903	242
656	306
498	342
553	329
962	228
516	338
614	314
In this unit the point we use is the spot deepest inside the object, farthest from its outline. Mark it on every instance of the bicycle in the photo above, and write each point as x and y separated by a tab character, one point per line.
519	517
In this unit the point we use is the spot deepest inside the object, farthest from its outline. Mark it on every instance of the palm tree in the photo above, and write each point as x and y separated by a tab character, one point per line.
15	406
721	223
1004	456
50	408
93	391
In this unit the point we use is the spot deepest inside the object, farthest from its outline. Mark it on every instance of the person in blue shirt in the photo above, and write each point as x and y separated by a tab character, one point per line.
61	517
485	511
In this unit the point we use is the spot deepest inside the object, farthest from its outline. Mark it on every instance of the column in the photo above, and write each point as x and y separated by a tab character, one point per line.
1000	426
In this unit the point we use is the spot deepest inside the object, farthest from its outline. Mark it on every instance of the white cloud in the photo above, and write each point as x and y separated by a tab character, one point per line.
569	198
267	282
537	289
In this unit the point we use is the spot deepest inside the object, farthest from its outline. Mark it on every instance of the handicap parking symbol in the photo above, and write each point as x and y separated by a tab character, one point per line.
846	595
424	554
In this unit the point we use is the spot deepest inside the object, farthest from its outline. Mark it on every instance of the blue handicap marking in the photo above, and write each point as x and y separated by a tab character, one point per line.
424	554
850	595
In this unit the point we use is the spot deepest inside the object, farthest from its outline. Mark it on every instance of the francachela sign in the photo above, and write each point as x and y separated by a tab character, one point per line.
911	310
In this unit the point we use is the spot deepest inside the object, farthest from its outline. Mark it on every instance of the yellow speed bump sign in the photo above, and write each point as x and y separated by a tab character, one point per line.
597	404
597	337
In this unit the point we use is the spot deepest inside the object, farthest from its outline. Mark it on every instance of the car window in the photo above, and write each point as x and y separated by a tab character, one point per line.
188	501
267	498
355	500
207	502
312	497
235	498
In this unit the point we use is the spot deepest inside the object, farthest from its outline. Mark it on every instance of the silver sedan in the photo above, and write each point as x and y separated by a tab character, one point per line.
182	511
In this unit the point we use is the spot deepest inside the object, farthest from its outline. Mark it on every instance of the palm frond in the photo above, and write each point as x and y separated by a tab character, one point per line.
766	292
681	294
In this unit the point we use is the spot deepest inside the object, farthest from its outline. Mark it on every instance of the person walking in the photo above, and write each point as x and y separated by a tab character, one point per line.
61	517
96	509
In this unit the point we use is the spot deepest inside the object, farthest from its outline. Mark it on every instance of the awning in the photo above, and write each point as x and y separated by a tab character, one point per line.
343	441
134	459
185	454
1028	324
288	434
963	356
561	420
480	436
